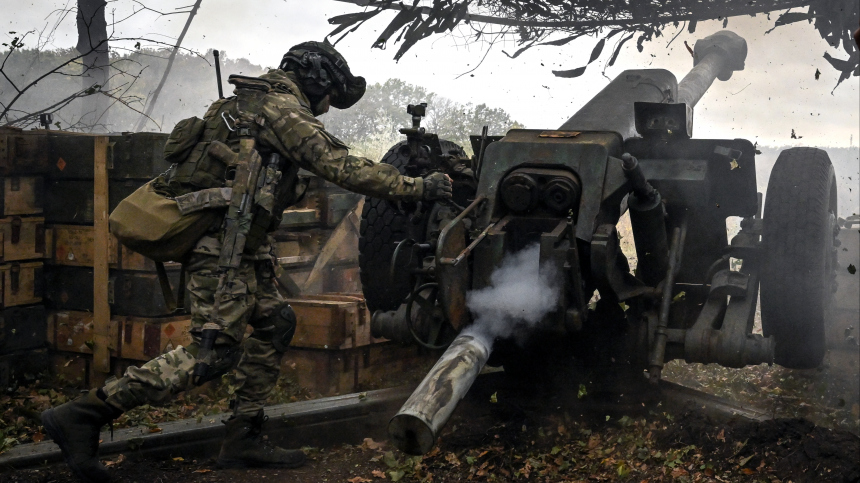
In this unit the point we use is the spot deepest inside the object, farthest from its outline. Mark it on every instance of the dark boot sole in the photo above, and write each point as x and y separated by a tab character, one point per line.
230	464
57	435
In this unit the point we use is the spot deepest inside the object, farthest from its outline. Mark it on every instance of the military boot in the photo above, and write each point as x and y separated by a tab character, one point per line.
244	447
74	426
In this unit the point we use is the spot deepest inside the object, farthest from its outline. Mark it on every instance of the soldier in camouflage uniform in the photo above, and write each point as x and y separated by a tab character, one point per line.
279	109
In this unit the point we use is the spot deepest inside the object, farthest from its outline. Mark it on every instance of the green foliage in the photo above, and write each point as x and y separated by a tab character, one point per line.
374	121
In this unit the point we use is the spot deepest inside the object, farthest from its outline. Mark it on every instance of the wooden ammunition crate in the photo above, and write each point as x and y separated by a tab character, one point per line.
129	292
23	328
24	238
22	283
135	338
129	156
299	243
304	246
331	372
70	201
73	246
336	204
341	279
305	213
72	331
145	338
22	195
128	259
23	152
22	367
331	321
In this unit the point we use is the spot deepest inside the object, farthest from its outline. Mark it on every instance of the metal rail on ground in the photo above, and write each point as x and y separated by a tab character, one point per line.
325	422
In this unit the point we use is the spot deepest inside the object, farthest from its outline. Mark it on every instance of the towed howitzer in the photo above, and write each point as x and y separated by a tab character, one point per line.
628	151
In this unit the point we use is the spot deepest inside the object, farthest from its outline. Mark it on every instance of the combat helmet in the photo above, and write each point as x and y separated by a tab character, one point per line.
322	67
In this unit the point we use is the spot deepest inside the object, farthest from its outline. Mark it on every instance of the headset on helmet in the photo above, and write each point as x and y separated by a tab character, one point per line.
323	71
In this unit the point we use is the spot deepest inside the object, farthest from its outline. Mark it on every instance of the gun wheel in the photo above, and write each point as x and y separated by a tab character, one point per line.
429	319
383	226
798	273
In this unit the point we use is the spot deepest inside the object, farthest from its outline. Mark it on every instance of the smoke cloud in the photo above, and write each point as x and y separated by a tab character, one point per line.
521	293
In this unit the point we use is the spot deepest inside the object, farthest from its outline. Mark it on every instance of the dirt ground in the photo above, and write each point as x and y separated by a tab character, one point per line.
534	436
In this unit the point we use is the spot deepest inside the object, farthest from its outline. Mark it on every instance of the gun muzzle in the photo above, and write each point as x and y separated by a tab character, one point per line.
415	427
716	56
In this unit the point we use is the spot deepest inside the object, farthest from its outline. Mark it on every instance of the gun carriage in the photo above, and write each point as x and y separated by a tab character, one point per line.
628	150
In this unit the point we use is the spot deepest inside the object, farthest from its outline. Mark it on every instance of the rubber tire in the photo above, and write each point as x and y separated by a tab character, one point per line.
383	226
798	262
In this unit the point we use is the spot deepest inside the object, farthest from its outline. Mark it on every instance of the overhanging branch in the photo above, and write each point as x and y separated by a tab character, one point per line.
560	24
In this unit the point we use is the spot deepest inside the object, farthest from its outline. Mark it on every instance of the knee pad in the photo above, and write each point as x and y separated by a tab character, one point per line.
280	326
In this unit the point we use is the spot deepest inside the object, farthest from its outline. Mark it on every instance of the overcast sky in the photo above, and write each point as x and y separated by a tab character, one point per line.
777	92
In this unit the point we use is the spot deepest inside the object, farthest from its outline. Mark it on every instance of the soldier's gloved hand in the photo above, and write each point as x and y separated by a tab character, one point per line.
437	186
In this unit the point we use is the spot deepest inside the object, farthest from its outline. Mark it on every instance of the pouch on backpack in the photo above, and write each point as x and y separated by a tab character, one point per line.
185	135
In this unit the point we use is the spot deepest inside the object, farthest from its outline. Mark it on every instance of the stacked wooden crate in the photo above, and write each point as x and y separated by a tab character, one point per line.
23	247
141	325
49	206
333	351
317	242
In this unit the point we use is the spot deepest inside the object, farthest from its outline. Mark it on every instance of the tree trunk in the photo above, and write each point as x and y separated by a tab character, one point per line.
93	45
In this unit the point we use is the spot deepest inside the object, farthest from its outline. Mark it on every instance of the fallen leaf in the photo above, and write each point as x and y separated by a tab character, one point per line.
678	472
369	443
179	458
117	461
722	435
359	479
494	398
203	471
745	460
734	164
154	430
378	474
679	296
748	471
38	437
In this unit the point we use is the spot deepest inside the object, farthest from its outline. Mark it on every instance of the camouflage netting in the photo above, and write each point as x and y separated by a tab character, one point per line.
558	22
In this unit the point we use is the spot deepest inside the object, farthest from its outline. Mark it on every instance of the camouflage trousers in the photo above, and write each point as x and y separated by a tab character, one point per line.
249	300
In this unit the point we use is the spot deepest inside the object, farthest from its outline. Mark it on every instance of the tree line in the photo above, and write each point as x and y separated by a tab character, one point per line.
370	126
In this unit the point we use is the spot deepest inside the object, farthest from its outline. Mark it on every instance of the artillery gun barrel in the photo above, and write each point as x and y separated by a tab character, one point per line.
715	57
415	427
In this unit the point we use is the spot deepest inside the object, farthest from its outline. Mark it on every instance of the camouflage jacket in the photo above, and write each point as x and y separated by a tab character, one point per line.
284	124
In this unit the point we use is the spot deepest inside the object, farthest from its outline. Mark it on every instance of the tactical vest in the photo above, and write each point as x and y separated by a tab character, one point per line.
196	169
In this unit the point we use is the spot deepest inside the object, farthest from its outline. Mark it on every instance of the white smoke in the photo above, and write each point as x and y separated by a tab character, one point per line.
520	295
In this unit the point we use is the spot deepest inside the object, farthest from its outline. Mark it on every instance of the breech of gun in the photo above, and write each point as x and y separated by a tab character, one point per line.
415	427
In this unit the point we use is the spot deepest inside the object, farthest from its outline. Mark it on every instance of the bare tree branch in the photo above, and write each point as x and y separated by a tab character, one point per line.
154	99
77	66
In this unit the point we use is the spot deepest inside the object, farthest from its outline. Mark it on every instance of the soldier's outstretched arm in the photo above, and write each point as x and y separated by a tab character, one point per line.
301	137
